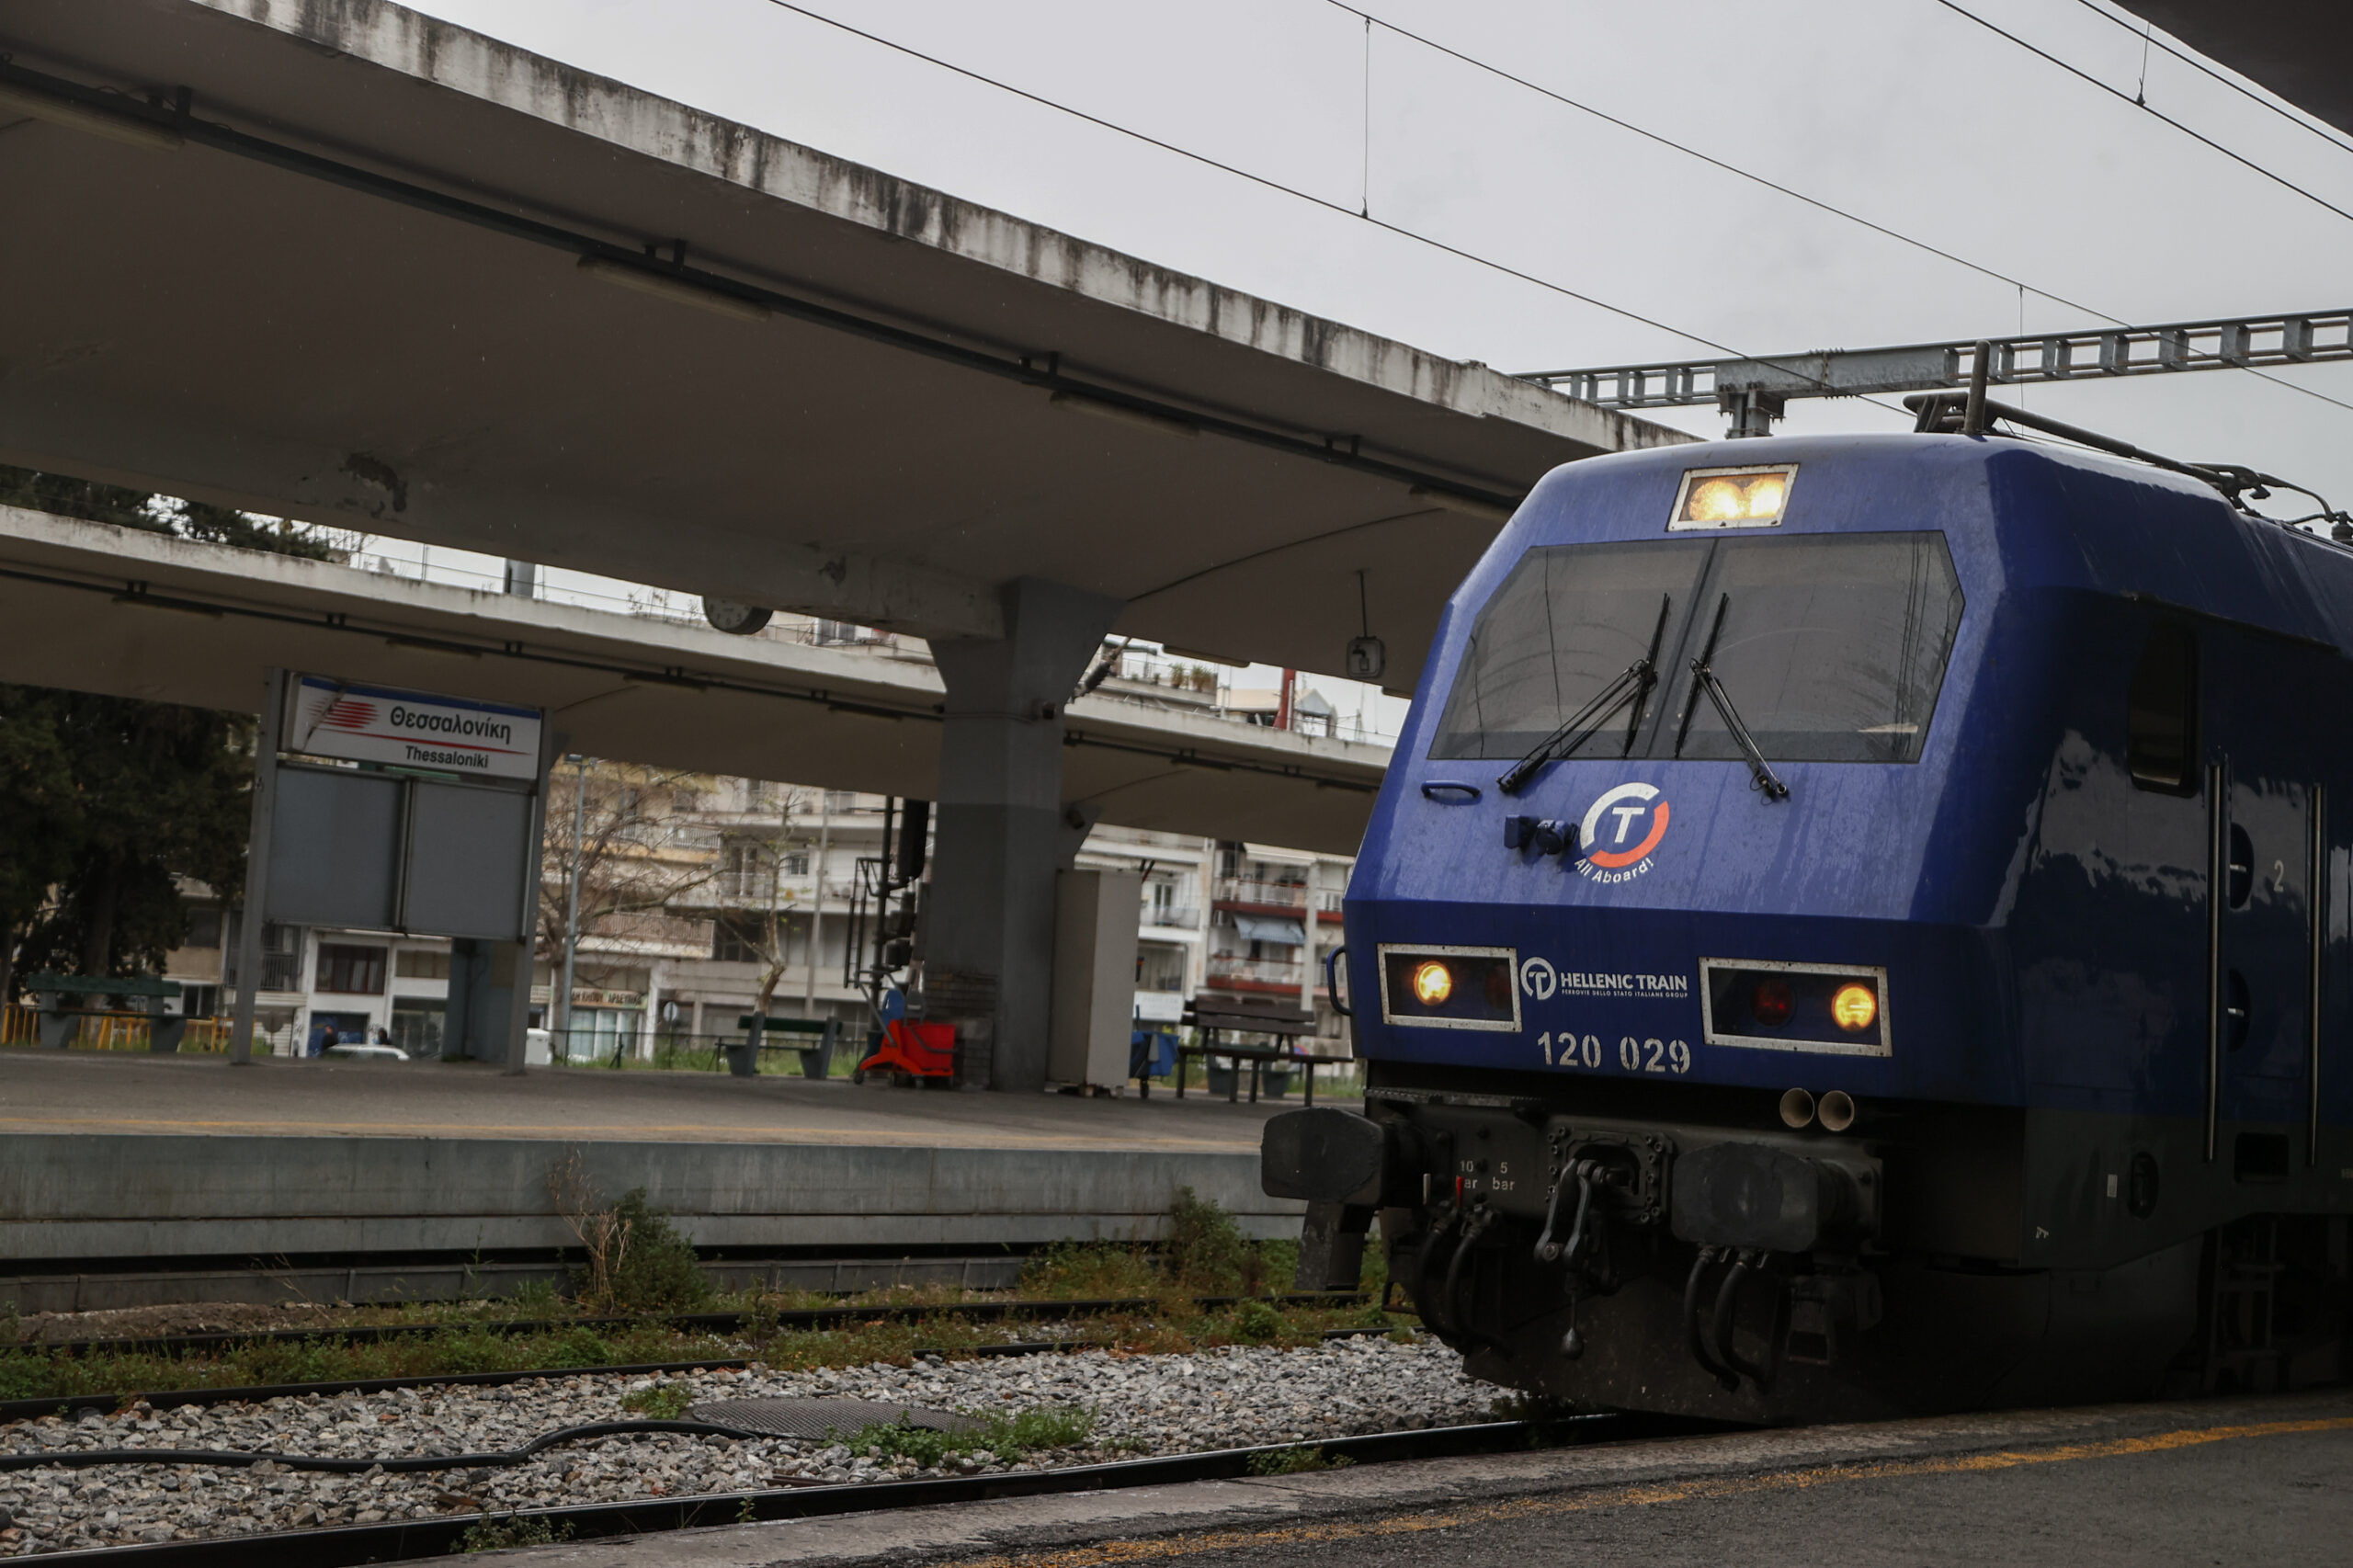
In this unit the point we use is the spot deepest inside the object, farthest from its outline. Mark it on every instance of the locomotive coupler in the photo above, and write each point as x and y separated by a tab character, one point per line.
1583	1176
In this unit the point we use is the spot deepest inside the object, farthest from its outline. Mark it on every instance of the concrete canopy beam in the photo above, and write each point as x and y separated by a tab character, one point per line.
894	403
127	613
991	907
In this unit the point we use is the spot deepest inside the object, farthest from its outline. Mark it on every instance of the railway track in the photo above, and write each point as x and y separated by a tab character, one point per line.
411	1540
810	1318
75	1404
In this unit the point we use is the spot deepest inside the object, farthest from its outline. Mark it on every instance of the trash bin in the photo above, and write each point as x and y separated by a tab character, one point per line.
1151	1054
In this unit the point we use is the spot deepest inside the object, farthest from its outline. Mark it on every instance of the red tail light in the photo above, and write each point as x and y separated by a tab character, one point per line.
1772	1001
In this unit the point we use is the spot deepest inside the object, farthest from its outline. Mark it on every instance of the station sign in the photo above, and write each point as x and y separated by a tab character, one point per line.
352	723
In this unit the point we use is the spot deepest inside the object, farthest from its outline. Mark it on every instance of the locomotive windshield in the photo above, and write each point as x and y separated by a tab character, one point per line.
1832	647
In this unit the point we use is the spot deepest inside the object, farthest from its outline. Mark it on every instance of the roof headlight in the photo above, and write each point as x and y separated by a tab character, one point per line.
1732	498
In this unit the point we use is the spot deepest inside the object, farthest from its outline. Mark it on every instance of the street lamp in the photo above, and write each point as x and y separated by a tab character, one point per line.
572	894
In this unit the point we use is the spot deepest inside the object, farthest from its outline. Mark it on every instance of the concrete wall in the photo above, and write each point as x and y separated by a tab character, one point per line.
133	1199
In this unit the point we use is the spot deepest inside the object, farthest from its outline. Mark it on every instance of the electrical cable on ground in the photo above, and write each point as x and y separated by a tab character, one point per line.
391	1464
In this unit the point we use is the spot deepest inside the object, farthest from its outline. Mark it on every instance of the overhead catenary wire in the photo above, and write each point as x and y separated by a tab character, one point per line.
2148	39
1365	214
1818	203
1269	183
2114	92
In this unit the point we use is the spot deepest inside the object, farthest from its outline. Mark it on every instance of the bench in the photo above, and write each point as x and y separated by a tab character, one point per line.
819	1037
64	1000
1213	1021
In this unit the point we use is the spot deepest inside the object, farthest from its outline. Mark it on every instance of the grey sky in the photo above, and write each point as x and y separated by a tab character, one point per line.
1900	110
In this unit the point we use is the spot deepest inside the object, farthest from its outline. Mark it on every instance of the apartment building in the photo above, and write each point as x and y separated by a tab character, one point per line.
697	890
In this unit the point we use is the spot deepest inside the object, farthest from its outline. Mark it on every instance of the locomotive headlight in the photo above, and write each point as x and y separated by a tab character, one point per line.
1854	1008
1732	498
1717	501
1433	984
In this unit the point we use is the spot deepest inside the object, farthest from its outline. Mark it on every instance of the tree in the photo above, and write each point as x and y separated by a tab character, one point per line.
759	856
106	805
96	502
106	802
637	853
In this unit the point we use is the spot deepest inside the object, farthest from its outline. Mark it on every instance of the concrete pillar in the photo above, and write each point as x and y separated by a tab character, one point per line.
1000	832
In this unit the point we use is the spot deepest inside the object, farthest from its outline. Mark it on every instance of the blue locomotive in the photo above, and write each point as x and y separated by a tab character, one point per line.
1856	924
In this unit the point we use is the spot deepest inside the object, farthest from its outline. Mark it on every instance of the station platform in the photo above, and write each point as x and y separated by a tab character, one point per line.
127	1178
2239	1481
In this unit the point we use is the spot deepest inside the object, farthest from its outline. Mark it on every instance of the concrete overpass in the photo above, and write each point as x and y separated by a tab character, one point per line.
2299	49
95	607
425	283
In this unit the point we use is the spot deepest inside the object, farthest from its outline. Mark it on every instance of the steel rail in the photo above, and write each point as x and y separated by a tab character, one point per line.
716	1322
412	1538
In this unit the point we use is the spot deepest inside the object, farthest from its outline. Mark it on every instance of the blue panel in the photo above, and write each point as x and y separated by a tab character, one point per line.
2040	918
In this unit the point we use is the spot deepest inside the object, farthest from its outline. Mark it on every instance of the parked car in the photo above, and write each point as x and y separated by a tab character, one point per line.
368	1053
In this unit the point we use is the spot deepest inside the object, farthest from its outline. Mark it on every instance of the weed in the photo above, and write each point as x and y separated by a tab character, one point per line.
1296	1461
663	1402
635	1260
1007	1436
497	1532
661	1272
1206	1251
1090	1271
1277	1267
1256	1322
537	1298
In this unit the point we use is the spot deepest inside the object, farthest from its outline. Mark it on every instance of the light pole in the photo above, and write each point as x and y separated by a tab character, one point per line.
572	893
817	901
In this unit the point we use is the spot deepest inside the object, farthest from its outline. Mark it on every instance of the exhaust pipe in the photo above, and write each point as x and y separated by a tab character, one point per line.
1797	1109
1837	1111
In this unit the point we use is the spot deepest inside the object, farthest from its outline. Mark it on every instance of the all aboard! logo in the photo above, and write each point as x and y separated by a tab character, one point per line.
1620	830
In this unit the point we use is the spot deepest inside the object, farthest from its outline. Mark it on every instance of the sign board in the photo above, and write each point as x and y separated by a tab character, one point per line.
410	729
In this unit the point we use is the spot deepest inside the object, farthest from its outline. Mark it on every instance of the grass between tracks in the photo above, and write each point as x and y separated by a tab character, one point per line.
1204	1255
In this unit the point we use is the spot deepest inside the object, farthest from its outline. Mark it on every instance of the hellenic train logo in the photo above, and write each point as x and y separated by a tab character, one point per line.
1620	830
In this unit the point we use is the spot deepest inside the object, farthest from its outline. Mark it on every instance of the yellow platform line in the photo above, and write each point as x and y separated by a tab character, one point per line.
634	1131
1641	1495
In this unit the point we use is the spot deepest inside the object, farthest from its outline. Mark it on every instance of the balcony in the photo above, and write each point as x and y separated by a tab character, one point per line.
1254	897
1231	972
1246	894
1172	917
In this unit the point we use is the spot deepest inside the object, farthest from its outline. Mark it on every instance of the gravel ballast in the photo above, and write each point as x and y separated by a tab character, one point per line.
1143	1405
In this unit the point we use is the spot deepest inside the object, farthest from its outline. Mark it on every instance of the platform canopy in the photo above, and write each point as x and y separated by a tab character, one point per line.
125	613
2302	49
337	260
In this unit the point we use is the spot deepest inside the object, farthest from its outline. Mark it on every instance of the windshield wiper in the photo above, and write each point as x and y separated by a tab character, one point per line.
1632	684
1703	679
